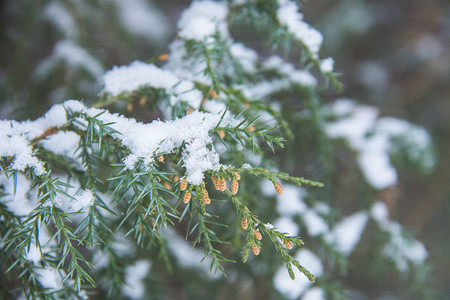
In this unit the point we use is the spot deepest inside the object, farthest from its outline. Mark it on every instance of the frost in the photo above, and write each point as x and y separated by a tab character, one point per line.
347	233
134	276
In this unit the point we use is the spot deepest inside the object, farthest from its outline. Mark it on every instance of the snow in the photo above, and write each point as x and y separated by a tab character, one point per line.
143	19
326	65
301	77
314	223
247	57
372	138
314	294
187	256
56	13
62	143
286	225
291	201
347	233
401	249
289	16
143	140
292	289
49	278
138	74
134	276
74	55
84	200
203	19
16	201
379	212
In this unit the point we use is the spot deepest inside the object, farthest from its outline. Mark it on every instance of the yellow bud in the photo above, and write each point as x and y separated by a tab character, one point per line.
234	187
142	101
255	249
244	224
206	198
163	57
160	158
222	134
279	188
238	176
213	94
288	245
187	197
251	128
183	184
222	185
258	235
190	110
130	106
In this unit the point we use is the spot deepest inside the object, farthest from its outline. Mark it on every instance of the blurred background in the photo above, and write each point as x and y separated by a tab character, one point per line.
394	55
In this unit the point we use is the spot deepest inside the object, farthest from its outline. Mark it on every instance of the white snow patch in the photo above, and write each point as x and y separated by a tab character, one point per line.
291	201
203	19
314	223
134	276
292	289
314	294
287	225
143	19
347	233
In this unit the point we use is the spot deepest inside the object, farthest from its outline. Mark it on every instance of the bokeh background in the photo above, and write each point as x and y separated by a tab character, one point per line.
392	54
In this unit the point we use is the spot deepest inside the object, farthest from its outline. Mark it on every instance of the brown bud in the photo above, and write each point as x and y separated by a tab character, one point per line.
216	182
206	198
142	101
288	245
222	184
167	185
183	184
255	249
187	197
222	134
190	110
244	224
160	158
279	188
163	57
213	94
258	235
234	187
130	106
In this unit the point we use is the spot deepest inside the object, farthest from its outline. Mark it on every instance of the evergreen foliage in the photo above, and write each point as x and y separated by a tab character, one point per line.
95	204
